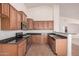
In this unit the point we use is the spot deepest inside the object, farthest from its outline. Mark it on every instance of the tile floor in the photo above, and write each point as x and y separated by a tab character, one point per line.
40	50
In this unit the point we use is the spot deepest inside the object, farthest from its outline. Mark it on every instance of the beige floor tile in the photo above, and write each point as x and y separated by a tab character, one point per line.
40	50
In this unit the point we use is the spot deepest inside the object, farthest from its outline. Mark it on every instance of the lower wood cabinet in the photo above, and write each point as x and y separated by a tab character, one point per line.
13	49
61	47
52	43
28	42
22	48
9	50
58	45
39	39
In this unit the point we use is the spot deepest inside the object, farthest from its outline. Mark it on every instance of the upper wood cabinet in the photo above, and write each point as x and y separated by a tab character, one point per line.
43	25
36	25
23	16
4	9
4	14
50	25
18	20
13	18
30	23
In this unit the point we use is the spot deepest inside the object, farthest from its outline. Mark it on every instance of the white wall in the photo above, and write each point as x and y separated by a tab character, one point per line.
7	34
69	14
69	10
56	18
41	13
72	24
20	7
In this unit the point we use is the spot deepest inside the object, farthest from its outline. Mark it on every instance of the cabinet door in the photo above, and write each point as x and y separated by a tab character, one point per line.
22	48
30	23
13	24
39	39
50	25
24	18
36	25
35	39
9	50
45	25
5	9
61	47
40	25
44	39
18	20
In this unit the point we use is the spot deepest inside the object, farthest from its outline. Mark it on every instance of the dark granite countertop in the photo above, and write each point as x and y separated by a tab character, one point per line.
12	39
26	35
57	37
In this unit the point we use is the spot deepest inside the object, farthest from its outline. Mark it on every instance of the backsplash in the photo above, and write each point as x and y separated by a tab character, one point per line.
8	34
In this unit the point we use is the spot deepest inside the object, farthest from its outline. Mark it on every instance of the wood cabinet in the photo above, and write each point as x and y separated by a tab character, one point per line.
22	48
43	25
39	39
29	42
4	14
30	23
36	25
13	49
13	18
58	45
4	9
18	20
36	39
50	25
10	17
9	50
61	47
52	42
23	16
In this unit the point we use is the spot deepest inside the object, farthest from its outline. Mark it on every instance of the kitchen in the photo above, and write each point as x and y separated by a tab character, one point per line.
30	29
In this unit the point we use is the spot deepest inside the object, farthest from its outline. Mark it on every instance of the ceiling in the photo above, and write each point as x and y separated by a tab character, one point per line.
48	4
38	4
